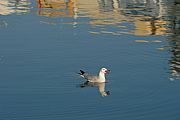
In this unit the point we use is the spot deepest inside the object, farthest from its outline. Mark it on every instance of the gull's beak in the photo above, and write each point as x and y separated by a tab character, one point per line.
107	71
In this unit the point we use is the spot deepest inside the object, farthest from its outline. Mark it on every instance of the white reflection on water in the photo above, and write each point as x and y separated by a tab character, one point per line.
14	6
100	86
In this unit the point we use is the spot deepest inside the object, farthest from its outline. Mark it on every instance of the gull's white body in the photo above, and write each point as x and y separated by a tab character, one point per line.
99	79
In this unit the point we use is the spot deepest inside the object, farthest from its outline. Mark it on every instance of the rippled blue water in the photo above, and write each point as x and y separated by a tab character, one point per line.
43	44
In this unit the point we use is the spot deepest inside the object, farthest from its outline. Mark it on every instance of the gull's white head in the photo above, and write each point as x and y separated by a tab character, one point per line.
104	70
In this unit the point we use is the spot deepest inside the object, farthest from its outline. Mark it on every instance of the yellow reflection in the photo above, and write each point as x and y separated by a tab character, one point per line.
146	41
113	12
148	26
58	8
14	6
144	15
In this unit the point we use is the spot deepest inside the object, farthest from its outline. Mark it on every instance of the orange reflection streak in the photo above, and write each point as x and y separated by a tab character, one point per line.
55	8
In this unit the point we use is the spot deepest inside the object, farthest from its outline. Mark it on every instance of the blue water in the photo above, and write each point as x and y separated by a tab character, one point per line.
42	49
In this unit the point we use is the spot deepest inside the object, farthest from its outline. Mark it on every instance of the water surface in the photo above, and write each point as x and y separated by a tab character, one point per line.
43	45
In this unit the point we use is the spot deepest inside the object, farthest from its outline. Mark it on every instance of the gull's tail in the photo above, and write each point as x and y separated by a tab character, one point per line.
81	72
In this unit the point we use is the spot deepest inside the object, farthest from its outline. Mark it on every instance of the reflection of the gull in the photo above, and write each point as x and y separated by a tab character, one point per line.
101	87
14	6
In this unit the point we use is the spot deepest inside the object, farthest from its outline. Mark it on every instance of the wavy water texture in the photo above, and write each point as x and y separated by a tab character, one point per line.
44	44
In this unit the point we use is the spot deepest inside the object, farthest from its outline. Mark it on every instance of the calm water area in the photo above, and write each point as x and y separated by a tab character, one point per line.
44	44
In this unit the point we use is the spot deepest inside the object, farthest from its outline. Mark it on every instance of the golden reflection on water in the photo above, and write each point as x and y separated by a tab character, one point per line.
14	6
144	15
56	8
147	41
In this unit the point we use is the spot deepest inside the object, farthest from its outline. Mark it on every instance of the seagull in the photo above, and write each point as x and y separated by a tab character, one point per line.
95	79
